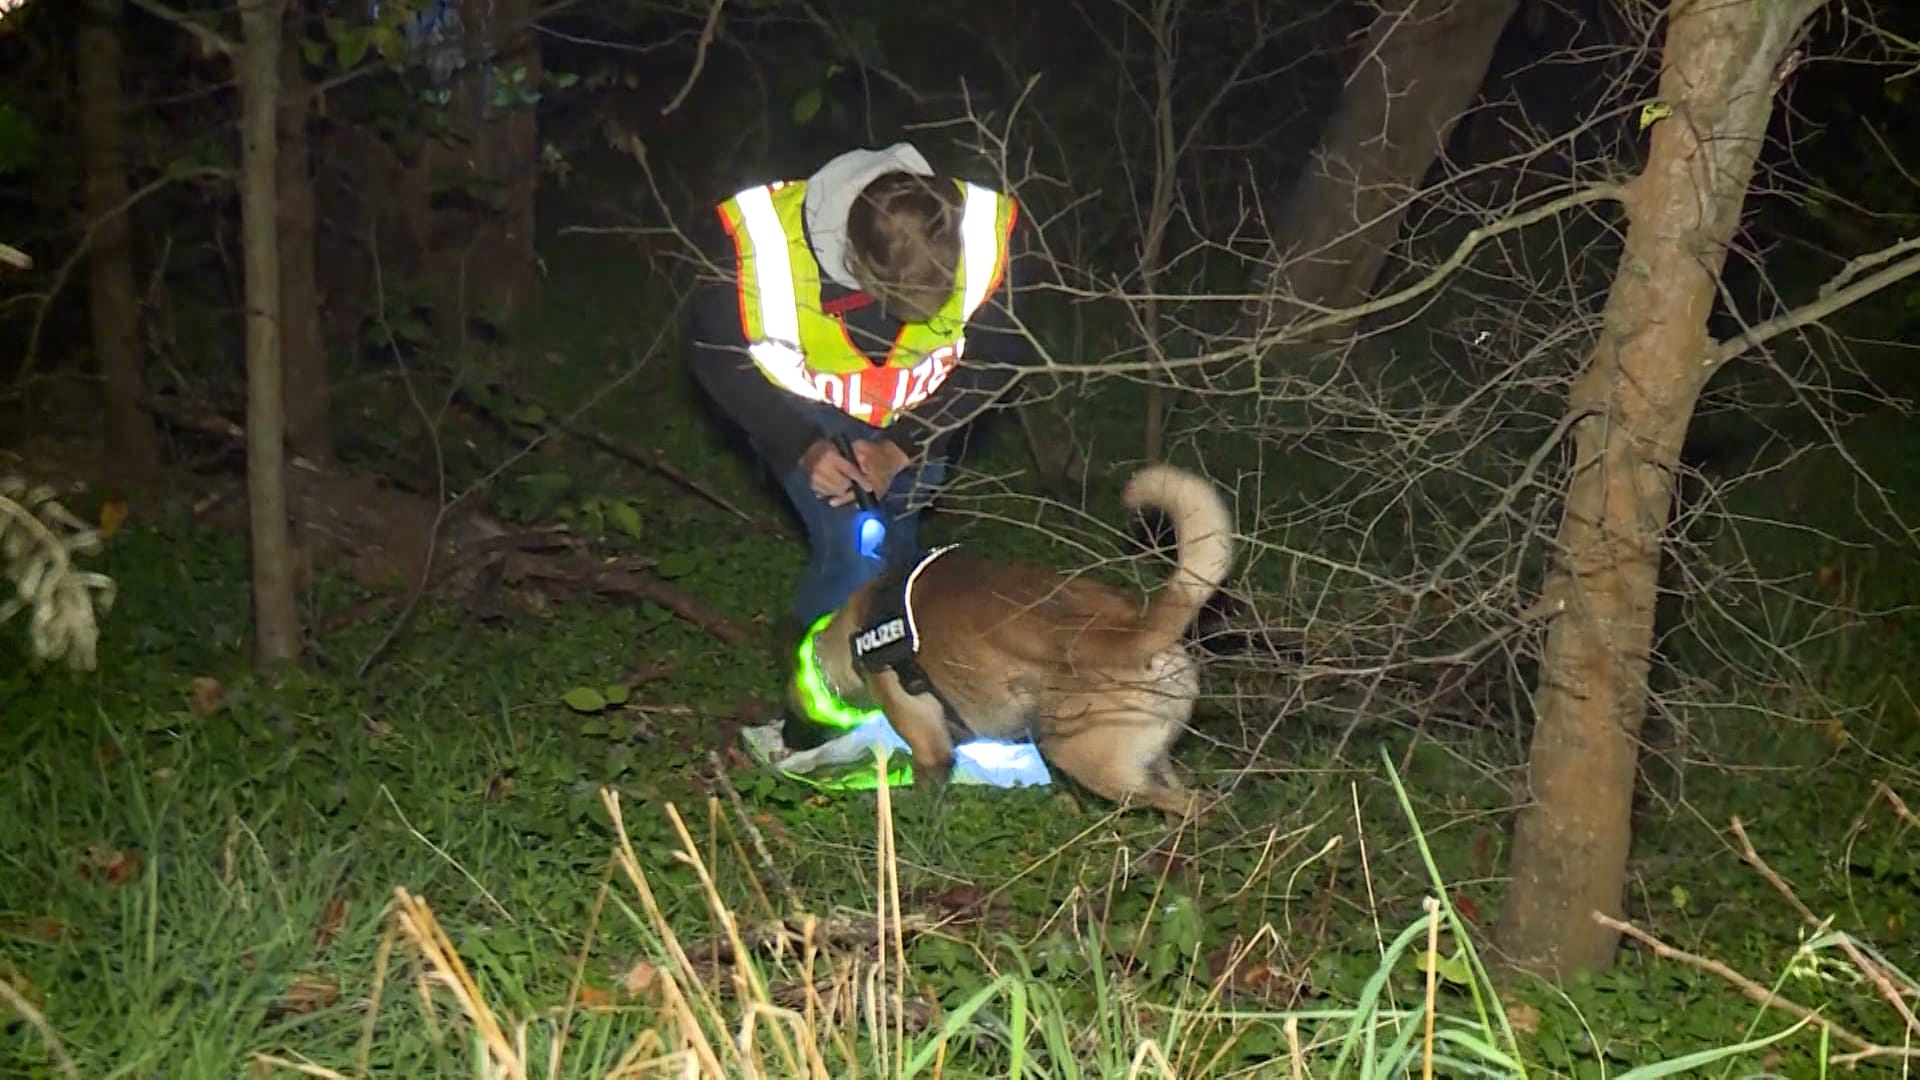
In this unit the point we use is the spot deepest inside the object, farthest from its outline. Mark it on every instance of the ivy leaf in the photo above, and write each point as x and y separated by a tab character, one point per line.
1453	969
584	699
351	45
807	106
677	564
19	141
625	518
391	45
615	693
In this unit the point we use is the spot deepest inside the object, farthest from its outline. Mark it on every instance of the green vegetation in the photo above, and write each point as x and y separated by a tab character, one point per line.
200	869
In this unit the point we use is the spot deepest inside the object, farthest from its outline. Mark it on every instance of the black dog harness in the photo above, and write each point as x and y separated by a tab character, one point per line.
890	641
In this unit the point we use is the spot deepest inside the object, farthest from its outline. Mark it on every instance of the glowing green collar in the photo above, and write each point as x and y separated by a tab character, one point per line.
815	692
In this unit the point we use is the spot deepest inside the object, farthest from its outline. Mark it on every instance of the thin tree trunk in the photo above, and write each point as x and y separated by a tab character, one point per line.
302	356
1638	392
276	622
132	442
1159	218
482	259
1421	65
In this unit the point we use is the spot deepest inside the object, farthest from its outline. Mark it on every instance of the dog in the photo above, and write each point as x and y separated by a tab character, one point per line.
1102	684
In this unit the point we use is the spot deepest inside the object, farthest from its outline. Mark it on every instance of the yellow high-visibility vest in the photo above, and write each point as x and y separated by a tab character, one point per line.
806	351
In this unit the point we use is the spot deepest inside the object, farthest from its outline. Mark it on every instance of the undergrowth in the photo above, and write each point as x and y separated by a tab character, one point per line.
444	868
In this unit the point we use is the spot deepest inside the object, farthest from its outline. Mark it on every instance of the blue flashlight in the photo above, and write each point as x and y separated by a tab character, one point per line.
869	529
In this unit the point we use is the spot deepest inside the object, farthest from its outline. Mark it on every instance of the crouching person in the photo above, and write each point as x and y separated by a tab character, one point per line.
872	301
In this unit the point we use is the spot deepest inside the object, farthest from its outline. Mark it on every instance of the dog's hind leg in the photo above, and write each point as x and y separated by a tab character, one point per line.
1120	755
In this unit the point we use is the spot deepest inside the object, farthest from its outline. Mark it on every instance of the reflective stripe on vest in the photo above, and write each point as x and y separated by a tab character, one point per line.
836	372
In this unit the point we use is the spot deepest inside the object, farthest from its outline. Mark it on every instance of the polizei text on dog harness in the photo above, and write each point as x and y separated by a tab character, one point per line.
875	637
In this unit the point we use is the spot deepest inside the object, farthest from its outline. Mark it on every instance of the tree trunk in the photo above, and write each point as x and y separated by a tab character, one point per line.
133	445
1421	65
303	358
482	255
276	622
1637	393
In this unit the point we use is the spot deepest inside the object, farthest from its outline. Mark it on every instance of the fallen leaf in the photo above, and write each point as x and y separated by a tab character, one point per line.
308	993
1466	907
1524	1018
43	928
332	917
639	979
205	696
958	900
592	997
1831	730
110	865
113	514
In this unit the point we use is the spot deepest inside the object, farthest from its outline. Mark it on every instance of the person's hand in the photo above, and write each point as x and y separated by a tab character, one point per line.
831	476
880	461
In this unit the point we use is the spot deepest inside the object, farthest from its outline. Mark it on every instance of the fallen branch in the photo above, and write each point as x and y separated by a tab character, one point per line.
1754	991
624	577
1899	805
553	557
653	461
1873	971
34	1017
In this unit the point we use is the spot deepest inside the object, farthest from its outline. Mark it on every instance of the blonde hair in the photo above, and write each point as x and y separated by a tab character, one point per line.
903	242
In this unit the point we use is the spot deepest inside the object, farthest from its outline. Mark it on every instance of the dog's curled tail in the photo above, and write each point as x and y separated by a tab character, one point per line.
1203	531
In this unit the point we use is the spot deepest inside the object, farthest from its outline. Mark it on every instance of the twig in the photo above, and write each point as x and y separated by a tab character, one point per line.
767	863
1832	299
1751	989
707	34
1881	789
417	921
85	245
1432	907
1331	317
38	1020
211	40
304	1068
1860	960
655	461
617	580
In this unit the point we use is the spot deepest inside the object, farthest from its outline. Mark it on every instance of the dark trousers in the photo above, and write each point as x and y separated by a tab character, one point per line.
835	567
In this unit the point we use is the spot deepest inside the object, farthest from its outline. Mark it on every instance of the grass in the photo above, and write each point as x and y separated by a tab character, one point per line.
442	868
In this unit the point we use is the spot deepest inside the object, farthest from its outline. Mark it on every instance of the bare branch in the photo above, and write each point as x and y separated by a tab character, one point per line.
1749	988
1832	299
708	30
210	40
1871	970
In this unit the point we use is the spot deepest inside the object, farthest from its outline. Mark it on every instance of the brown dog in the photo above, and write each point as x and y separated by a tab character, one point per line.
1103	685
